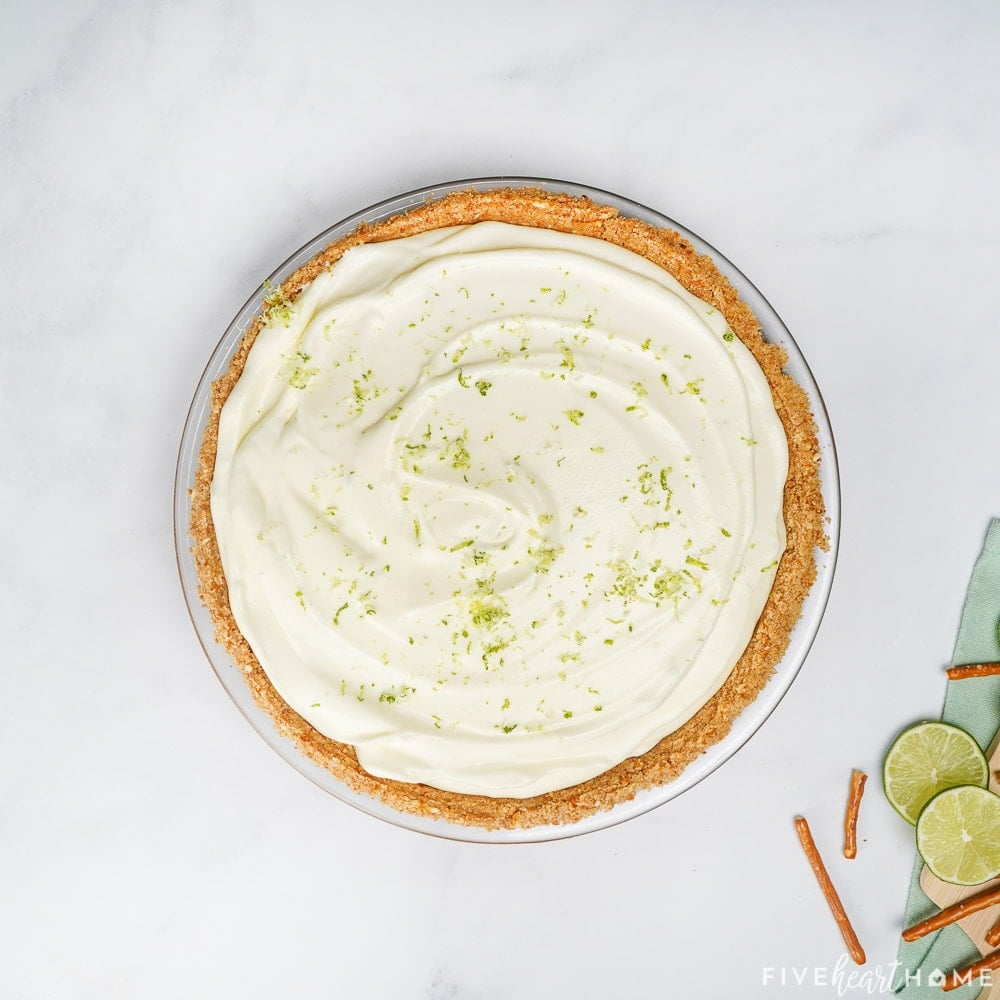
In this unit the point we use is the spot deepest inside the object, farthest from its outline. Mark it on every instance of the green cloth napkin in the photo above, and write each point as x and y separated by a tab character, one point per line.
975	706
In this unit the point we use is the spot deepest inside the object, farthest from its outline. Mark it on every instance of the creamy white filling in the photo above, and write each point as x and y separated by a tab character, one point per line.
499	506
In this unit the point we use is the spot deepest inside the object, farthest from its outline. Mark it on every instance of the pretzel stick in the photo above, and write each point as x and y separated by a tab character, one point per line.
973	670
965	975
993	935
858	779
833	900
952	913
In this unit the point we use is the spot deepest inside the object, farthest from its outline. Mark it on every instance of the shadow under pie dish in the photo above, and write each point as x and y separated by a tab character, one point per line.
506	510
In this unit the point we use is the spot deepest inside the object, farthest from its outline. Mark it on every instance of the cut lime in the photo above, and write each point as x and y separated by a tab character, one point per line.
926	759
958	835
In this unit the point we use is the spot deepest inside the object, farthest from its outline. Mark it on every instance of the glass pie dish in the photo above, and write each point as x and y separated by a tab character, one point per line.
745	724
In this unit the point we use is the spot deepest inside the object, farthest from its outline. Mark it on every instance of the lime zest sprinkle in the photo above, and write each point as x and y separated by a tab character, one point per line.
277	305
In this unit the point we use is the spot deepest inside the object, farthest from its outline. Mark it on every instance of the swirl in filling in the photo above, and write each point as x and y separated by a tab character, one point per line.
498	506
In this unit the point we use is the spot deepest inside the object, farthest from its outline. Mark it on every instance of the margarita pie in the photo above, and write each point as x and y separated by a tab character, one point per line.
505	508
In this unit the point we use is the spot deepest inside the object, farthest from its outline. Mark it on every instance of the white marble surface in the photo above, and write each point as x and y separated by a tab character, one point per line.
158	160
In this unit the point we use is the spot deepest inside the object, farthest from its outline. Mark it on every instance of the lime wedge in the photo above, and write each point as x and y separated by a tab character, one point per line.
958	835
926	759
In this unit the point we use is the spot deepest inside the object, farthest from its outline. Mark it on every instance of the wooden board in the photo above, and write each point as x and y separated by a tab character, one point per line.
945	894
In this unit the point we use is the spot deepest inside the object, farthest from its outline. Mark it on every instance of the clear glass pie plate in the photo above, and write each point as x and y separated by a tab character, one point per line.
745	725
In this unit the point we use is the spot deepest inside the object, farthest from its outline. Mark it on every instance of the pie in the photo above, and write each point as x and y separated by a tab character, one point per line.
505	508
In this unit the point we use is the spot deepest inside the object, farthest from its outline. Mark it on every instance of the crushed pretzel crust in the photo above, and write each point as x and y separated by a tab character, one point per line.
803	514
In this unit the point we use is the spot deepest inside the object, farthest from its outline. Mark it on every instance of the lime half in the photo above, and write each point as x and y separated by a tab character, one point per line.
958	835
926	759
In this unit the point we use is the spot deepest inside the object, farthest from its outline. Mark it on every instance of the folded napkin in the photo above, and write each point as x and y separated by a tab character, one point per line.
975	706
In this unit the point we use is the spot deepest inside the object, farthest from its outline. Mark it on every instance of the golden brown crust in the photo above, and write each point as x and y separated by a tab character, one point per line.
803	512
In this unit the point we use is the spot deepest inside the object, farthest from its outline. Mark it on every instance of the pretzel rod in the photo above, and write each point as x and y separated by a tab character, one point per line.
973	670
969	972
858	779
993	935
833	900
952	913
